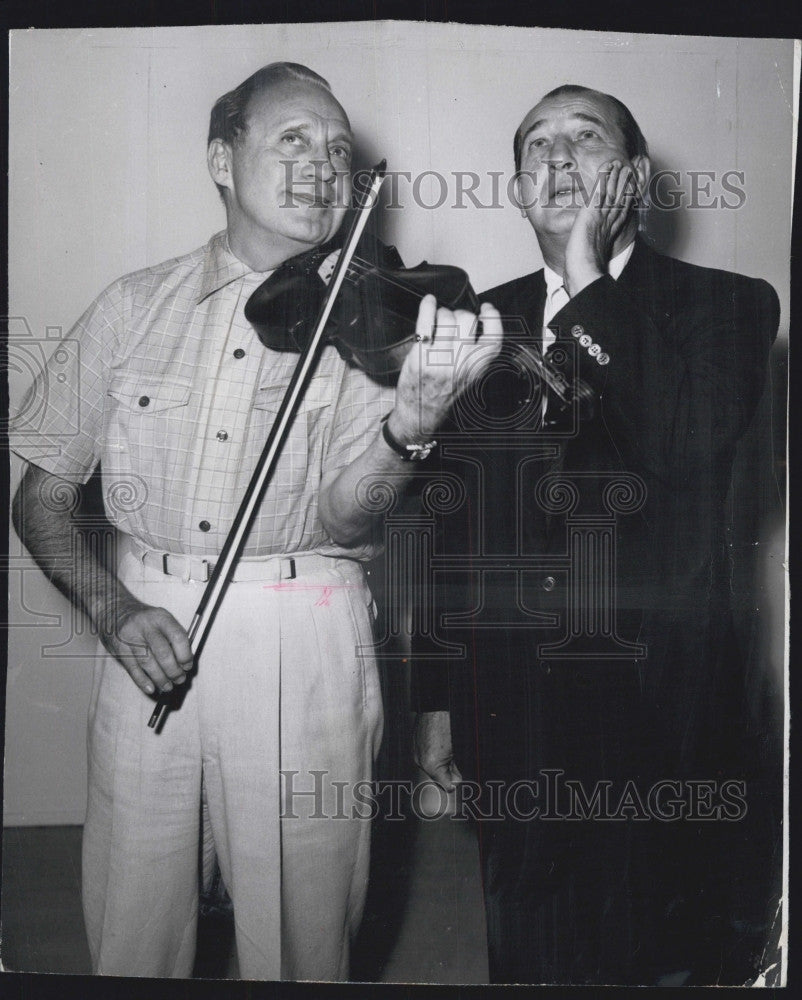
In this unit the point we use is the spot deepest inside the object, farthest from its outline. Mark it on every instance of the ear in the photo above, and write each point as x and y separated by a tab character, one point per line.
518	197
642	166
218	158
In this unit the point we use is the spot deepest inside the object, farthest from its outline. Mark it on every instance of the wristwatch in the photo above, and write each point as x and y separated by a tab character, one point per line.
409	452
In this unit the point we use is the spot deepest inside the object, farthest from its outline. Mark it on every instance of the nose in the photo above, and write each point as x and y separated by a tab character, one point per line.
319	166
327	170
561	155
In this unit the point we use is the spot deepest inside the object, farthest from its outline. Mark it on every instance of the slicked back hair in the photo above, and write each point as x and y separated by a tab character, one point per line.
634	141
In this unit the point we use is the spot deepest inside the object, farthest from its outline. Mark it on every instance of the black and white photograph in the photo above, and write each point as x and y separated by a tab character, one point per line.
397	561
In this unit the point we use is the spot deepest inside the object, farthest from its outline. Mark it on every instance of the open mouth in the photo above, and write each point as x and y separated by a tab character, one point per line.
566	196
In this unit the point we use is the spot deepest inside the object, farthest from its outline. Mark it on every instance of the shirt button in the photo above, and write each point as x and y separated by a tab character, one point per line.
204	526
239	353
549	583
144	400
222	435
577	331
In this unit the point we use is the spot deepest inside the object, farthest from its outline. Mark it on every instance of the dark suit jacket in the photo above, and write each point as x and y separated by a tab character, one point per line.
583	569
683	351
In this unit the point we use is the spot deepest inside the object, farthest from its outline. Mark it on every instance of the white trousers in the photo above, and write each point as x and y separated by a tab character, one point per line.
279	687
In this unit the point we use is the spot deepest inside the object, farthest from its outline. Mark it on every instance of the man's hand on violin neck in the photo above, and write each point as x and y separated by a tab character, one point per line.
453	350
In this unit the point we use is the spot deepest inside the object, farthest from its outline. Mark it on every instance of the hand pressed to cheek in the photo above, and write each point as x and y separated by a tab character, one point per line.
598	224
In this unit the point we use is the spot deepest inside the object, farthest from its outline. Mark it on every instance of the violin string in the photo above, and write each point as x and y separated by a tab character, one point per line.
364	268
359	267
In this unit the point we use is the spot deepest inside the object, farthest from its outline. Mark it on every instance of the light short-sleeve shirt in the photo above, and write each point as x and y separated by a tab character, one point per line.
174	394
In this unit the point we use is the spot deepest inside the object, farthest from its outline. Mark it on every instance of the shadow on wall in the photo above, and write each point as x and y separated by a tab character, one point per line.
663	227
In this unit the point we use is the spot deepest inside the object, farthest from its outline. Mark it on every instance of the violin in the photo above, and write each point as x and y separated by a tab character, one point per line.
373	324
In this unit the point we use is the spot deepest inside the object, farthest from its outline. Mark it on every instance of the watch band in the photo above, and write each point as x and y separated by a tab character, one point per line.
409	452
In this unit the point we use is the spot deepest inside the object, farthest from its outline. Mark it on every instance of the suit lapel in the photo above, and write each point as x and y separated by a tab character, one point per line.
522	299
638	277
534	315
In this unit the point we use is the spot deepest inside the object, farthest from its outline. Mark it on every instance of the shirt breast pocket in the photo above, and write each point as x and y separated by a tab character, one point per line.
301	456
146	420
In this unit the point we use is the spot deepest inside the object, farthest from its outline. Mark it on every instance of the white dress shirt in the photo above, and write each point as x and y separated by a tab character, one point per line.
557	296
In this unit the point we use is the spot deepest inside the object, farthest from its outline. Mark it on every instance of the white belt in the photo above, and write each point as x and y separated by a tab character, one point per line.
197	569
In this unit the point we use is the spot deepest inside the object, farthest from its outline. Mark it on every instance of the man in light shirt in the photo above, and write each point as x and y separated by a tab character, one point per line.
175	400
600	657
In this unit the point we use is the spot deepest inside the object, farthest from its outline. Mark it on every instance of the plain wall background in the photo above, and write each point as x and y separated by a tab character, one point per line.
108	174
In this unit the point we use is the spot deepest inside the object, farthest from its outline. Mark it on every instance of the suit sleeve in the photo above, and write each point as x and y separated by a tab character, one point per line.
429	676
679	378
430	686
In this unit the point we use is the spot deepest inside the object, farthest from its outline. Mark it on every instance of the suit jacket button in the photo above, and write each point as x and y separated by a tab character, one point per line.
594	350
577	331
585	340
603	359
549	583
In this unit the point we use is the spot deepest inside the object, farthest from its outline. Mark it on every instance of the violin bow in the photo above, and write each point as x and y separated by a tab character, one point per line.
235	541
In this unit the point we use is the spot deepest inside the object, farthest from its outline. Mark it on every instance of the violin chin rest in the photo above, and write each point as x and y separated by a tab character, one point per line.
283	308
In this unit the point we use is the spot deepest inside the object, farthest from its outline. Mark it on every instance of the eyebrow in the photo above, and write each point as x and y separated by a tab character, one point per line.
579	116
290	123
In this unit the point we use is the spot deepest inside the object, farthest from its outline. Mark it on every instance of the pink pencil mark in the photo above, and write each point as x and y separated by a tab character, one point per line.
327	589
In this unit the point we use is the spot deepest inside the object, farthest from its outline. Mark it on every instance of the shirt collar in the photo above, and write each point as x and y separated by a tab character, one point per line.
614	269
221	266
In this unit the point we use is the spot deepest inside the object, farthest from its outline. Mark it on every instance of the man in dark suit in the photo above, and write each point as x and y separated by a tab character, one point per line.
590	675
